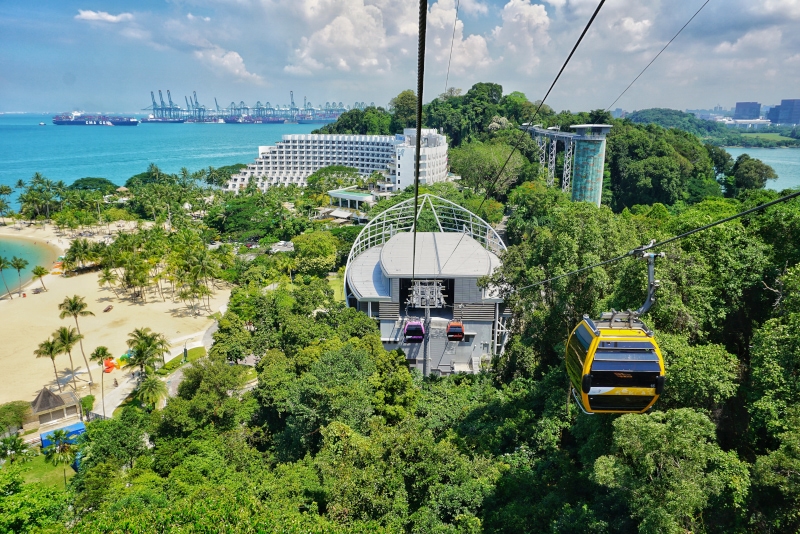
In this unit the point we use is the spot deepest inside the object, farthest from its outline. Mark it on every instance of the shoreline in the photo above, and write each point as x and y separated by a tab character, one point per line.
29	321
52	250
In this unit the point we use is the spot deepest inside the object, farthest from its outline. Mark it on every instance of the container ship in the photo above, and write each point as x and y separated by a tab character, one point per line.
78	119
163	120
318	118
246	119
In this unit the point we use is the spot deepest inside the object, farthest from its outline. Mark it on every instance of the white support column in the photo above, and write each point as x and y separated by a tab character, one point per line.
570	146
551	164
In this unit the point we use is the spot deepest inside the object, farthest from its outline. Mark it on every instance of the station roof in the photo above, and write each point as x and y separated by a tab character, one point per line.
438	255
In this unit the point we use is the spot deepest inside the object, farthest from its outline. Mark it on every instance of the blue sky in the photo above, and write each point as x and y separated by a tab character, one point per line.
107	56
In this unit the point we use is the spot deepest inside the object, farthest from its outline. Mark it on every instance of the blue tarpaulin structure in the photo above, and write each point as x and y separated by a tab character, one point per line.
73	431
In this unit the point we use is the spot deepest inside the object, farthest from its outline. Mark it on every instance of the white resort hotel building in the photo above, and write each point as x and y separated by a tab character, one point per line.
297	156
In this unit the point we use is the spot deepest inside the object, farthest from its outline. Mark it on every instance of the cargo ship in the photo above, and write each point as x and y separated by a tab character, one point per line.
163	120
317	118
78	119
246	119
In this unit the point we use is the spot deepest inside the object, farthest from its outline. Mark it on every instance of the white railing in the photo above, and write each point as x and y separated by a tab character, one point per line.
449	216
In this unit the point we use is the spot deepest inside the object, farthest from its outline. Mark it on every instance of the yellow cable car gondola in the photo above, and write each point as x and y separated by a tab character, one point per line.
614	364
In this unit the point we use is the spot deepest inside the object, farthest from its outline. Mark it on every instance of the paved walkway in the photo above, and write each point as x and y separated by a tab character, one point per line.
128	381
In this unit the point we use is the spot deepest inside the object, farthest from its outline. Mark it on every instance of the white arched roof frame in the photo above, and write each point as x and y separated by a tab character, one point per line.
450	217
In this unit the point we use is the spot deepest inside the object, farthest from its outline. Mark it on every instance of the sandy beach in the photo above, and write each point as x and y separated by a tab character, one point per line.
26	322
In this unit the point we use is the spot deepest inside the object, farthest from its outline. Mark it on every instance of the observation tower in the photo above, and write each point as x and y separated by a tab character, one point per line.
584	158
433	287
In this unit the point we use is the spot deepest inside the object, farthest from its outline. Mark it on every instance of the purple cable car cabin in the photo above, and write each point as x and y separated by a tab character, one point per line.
414	332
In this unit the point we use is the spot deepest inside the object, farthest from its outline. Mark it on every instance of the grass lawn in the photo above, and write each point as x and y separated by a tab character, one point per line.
336	284
767	136
37	470
130	400
250	374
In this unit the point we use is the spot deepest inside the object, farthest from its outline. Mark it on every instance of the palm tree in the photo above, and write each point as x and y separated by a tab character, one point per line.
75	307
13	448
66	337
107	276
5	264
19	264
40	272
152	390
60	452
146	347
49	348
100	355
3	210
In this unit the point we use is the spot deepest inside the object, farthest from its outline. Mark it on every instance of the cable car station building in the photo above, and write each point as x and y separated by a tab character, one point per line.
454	249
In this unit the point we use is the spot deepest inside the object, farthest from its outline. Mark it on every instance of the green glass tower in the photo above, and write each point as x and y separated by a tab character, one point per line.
589	161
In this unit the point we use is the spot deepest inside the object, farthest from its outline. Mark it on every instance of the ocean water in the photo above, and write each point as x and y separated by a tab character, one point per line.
117	153
36	252
785	161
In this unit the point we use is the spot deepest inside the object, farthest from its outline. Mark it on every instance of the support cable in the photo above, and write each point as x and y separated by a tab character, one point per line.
452	42
650	246
423	19
655	58
536	112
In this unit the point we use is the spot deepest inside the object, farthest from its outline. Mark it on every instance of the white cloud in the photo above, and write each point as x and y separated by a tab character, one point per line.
354	40
523	33
782	8
227	60
767	39
470	53
633	33
102	16
473	7
195	17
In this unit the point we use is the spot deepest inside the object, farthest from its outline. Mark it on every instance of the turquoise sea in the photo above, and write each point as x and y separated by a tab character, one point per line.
36	252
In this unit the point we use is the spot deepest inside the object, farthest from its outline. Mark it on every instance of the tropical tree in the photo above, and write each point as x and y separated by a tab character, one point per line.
76	307
108	277
146	347
3	210
5	264
152	390
40	272
99	355
13	448
49	348
60	452
19	264
66	337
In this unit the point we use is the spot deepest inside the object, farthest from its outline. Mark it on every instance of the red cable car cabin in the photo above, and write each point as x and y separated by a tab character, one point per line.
455	331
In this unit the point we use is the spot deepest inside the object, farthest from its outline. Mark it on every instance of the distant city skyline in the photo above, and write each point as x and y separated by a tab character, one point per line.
108	56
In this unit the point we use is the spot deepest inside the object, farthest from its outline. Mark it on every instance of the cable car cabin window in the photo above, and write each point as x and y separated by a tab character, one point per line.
414	331
576	352
625	364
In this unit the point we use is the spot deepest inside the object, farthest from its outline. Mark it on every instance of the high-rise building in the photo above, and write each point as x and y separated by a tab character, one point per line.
747	110
774	114
790	112
297	156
